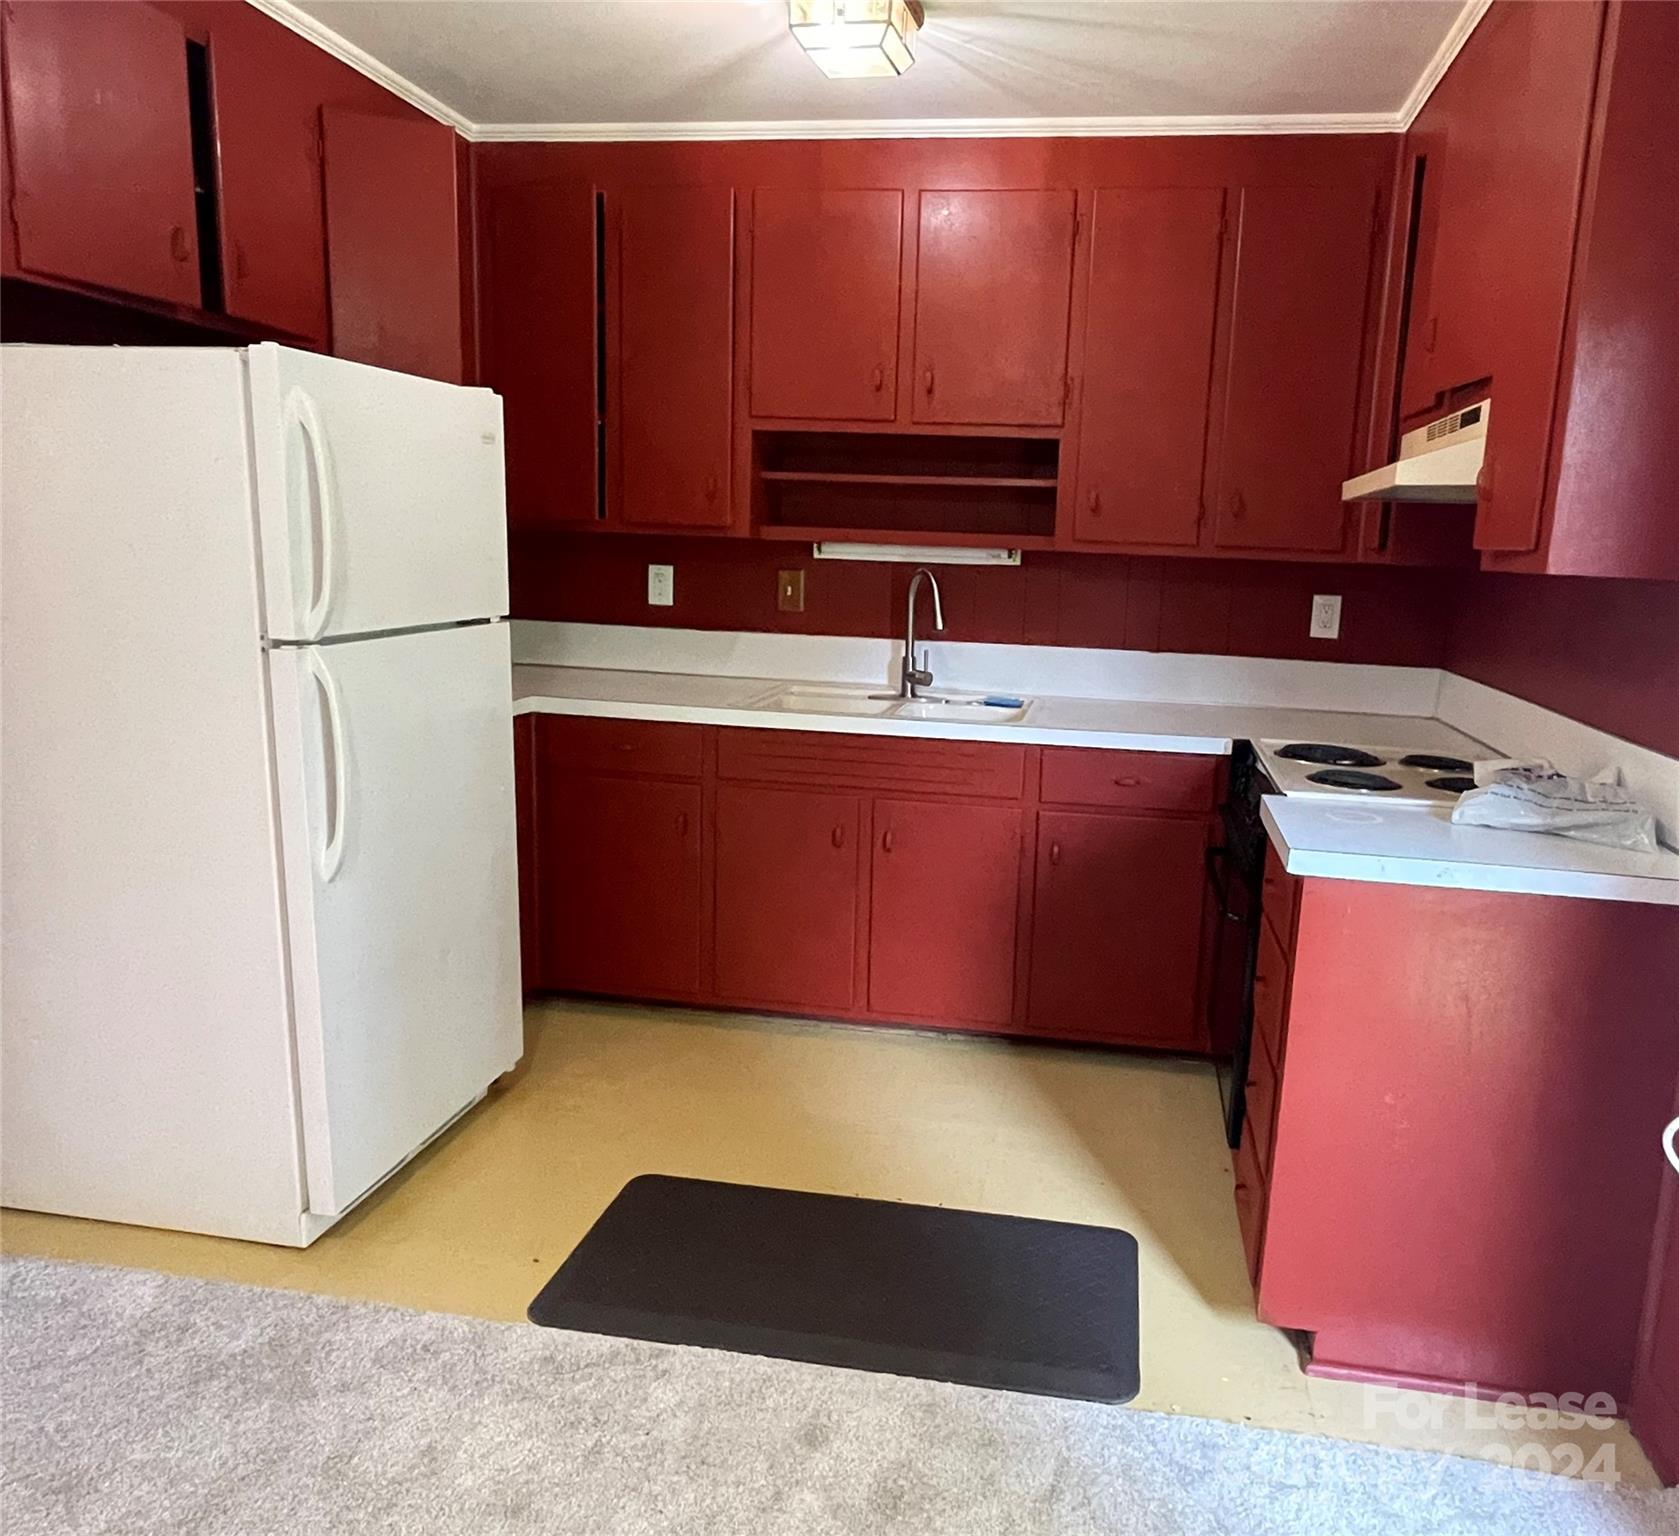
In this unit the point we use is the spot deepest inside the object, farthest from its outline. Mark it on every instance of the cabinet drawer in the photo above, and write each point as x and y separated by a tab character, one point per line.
895	764
1270	993
585	744
1279	897
1153	781
1250	1202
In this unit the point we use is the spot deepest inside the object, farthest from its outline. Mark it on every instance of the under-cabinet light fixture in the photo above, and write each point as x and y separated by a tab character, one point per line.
857	39
914	554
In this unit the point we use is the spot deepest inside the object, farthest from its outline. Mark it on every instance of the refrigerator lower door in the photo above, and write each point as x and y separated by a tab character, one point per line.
381	499
395	766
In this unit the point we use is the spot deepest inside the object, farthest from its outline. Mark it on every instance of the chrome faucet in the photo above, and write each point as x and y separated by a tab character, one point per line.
914	678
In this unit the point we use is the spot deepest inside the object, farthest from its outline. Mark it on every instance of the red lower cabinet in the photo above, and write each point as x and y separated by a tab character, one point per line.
787	879
1655	1388
620	898
945	894
1116	927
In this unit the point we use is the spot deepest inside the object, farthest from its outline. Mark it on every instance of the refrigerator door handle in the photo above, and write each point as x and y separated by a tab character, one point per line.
331	857
305	420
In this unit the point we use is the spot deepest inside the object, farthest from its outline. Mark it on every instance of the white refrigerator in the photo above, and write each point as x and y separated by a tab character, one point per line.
260	928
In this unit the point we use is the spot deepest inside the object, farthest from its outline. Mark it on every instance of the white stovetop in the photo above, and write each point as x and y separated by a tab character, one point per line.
1356	840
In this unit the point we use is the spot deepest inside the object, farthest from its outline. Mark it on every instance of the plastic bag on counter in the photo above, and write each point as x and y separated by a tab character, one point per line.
1535	797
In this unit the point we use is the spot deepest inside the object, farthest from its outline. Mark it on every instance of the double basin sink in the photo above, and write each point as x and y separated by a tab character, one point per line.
965	709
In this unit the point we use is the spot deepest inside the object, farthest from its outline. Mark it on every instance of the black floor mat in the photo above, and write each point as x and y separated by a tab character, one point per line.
991	1301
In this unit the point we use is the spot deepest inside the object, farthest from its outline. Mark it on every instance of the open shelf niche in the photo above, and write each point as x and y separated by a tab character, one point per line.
905	487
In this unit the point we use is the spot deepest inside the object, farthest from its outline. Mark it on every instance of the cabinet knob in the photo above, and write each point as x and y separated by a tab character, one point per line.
179	246
1431	333
1055	853
1234	505
682	824
877	377
927	381
1095	503
887	840
1127	781
1484	481
241	265
839	835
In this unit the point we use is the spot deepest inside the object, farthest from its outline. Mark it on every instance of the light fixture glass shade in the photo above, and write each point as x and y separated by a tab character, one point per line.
856	39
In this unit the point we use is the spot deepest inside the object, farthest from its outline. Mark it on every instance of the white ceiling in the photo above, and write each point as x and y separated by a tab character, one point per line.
725	68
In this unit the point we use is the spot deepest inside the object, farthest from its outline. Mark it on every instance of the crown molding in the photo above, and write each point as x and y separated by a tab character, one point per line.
305	25
324	38
1467	20
939	128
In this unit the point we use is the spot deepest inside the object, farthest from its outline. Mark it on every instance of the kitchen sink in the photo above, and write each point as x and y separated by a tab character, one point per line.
808	699
831	701
967	711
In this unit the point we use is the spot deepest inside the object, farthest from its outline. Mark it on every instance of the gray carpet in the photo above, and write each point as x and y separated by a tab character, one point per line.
138	1402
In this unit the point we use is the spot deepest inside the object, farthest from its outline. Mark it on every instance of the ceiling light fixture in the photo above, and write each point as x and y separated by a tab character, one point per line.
857	39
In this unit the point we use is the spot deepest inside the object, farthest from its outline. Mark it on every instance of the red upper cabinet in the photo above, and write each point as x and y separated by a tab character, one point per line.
101	144
993	285
1116	930
1291	367
393	242
537	310
945	893
787	886
672	293
273	238
1148	348
1503	141
824	299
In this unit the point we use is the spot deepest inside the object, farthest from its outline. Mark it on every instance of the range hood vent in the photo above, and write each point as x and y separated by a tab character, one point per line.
1437	462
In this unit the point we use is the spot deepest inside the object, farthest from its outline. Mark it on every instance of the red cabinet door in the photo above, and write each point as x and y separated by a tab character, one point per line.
993	286
1148	350
825	276
101	142
1116	927
1292	366
393	242
672	363
786	880
620	869
273	233
945	889
537	292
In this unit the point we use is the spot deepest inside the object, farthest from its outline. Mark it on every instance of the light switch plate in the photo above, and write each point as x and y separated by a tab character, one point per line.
790	591
1326	618
661	586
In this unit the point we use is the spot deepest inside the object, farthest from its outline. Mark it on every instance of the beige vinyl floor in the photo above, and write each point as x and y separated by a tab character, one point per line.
479	1221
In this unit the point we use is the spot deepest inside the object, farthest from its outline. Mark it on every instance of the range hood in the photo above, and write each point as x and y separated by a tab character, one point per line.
1439	462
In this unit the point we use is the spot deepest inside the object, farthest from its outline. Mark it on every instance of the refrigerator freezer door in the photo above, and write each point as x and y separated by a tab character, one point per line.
380	497
395	760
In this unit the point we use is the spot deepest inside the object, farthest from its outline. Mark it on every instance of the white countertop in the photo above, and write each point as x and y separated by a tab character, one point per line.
1127	725
1416	845
1326	839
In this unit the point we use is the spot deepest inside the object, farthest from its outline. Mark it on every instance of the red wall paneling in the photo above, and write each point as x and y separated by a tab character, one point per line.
1220	607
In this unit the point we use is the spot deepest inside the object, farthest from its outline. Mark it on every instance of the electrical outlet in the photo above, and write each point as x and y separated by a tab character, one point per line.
1326	618
661	586
790	591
